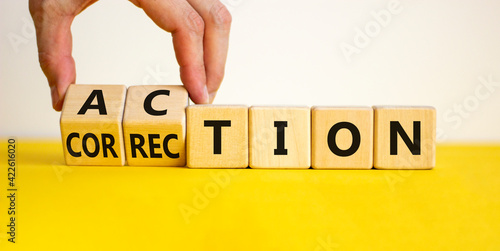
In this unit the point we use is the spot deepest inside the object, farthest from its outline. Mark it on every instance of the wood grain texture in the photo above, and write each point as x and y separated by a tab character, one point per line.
154	125
203	123
94	132
409	119
264	137
325	124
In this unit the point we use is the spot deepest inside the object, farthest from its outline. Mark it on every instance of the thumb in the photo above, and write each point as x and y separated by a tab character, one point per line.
54	40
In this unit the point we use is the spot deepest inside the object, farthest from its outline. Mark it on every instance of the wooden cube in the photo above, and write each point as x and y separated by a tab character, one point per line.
91	127
217	136
342	138
405	137
280	137
154	125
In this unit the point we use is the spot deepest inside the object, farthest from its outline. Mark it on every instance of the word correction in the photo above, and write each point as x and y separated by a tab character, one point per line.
155	126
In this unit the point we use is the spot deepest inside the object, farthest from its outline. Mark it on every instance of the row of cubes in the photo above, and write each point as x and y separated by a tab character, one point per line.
156	126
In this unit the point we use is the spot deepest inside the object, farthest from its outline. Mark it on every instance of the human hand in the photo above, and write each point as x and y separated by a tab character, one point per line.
200	33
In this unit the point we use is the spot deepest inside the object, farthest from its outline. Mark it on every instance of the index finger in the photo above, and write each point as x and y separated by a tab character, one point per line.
187	28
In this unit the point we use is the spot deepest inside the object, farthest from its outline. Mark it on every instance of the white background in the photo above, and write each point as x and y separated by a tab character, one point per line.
282	52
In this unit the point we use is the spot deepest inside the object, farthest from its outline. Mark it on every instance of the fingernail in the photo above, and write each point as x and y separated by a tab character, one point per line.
212	96
206	97
55	96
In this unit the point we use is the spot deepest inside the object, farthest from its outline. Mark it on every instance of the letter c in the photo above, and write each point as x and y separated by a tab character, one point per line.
68	144
149	99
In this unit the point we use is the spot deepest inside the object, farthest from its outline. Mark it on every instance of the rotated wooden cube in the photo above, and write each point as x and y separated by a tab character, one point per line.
91	125
280	137
154	125
342	137
217	136
405	137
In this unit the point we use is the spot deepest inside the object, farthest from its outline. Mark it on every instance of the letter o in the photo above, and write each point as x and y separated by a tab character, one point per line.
215	190
471	103
84	145
372	32
356	139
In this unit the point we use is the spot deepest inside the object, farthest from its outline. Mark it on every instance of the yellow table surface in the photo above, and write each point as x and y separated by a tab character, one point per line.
454	206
